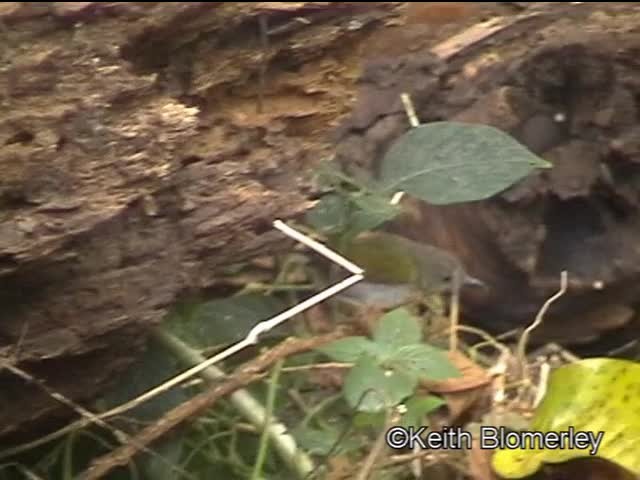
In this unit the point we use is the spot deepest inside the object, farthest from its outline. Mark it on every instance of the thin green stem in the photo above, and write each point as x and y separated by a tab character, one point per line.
264	437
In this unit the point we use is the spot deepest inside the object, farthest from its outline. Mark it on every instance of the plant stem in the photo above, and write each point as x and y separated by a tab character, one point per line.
264	437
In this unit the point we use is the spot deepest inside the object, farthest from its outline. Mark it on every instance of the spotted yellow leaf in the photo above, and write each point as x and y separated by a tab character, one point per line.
597	396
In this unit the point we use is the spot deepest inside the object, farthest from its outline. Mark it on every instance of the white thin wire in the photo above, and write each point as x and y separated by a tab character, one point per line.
318	247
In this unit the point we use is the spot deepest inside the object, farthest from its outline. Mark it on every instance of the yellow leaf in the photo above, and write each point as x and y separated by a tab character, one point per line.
593	395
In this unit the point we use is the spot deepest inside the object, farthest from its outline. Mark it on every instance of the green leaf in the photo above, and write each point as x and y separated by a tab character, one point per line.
152	368
375	420
368	388
329	215
424	361
452	162
225	320
155	466
322	441
418	407
349	350
593	395
397	329
369	211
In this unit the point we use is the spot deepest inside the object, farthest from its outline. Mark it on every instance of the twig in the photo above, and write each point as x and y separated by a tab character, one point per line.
428	455
499	372
254	370
545	369
378	447
83	412
488	339
90	417
524	339
454	311
410	110
318	366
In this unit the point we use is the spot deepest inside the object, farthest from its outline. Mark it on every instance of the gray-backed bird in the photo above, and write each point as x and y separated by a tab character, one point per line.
398	270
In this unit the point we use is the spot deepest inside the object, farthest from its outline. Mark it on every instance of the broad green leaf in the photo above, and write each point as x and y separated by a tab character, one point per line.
452	162
418	407
592	395
425	361
321	441
351	213
369	211
154	367
329	215
225	320
397	329
155	466
370	420
349	350
369	388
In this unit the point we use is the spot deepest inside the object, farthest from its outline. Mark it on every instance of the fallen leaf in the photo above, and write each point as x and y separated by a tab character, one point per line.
472	377
461	402
340	468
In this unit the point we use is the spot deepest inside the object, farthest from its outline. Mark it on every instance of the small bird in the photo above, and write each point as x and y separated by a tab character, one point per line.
397	270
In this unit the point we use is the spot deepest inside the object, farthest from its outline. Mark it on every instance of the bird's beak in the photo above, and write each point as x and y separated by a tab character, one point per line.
469	281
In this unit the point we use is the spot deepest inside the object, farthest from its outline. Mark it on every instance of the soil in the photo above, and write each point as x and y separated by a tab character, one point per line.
146	146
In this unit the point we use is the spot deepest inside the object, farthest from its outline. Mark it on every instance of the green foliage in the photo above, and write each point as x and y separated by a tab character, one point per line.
451	162
440	163
322	441
592	395
397	329
417	407
154	367
224	320
347	214
368	387
350	349
389	366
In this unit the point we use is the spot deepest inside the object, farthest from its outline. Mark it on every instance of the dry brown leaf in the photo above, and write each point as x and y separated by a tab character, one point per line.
328	377
340	468
480	463
461	402
472	377
318	319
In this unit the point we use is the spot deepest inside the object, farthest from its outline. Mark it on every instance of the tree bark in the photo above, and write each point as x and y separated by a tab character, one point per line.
144	146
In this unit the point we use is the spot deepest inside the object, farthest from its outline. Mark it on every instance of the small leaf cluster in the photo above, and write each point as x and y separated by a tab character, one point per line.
388	367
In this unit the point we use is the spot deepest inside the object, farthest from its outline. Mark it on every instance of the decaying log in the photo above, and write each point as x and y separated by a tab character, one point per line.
135	164
564	80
